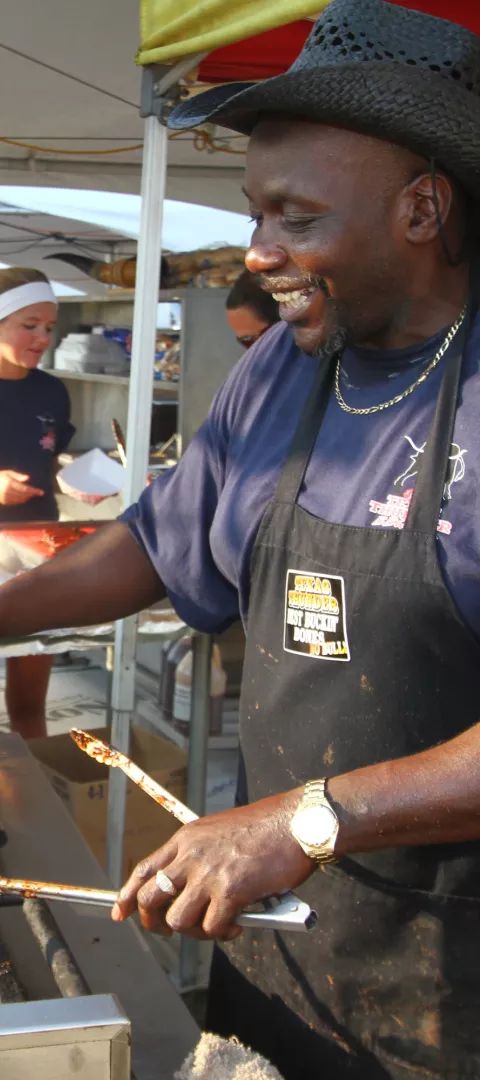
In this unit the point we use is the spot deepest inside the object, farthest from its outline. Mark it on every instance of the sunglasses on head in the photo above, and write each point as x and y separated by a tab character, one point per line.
247	340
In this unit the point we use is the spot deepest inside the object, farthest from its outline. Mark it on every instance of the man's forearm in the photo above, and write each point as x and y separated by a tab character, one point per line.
99	579
431	797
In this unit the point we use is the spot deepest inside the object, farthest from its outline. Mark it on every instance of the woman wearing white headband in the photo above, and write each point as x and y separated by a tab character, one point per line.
34	428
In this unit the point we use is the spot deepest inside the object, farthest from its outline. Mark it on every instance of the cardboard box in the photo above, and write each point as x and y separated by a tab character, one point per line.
82	784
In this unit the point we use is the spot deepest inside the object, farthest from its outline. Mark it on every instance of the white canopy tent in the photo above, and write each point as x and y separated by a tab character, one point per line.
29	237
68	83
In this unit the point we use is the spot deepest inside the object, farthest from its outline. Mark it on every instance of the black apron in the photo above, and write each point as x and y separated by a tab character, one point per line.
356	653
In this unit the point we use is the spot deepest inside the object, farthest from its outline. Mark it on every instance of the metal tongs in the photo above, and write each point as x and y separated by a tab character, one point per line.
285	912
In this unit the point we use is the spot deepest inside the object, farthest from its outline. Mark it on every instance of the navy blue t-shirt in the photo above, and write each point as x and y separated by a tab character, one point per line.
198	522
34	427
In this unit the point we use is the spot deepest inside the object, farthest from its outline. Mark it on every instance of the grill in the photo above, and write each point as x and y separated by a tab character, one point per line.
63	965
71	1033
88	1037
53	951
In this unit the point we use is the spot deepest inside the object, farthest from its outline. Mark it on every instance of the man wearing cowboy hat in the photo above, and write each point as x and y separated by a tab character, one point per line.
331	500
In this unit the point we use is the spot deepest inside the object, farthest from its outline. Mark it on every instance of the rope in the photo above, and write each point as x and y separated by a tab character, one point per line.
202	140
75	153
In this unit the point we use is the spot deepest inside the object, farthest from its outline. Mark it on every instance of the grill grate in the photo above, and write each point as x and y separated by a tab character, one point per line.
52	947
10	989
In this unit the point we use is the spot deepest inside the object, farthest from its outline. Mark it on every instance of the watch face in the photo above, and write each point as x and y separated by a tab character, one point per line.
315	825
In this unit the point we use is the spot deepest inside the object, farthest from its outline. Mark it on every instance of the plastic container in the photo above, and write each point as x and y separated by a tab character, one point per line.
122	335
182	692
175	685
91	352
171	655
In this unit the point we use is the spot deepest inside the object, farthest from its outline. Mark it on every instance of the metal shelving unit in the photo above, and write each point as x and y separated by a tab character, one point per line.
207	354
96	398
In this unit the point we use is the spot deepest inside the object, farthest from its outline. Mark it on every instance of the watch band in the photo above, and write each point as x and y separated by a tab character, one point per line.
315	796
315	790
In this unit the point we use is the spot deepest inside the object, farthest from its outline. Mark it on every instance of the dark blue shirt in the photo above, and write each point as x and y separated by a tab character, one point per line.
198	522
34	427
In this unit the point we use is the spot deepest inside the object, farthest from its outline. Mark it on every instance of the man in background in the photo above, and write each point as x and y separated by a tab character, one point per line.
250	310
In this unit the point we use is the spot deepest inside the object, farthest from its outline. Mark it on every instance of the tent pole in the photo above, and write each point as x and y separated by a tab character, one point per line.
154	170
158	90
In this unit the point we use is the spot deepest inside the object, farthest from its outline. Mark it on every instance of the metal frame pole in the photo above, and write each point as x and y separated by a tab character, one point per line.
158	89
202	645
199	723
154	171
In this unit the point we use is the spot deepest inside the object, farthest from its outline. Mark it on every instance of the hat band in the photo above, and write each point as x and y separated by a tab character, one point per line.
34	292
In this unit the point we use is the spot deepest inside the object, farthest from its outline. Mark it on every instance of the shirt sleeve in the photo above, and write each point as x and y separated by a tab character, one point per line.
172	522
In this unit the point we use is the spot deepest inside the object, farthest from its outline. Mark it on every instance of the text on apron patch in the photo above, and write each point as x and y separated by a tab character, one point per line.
315	622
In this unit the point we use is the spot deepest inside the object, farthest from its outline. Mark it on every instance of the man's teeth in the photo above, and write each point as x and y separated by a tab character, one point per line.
292	297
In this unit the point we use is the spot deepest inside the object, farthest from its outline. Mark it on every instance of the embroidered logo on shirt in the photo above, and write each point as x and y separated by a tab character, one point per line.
393	513
47	440
315	622
411	469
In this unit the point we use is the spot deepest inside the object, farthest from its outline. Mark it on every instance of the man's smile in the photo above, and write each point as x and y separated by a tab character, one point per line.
294	298
295	305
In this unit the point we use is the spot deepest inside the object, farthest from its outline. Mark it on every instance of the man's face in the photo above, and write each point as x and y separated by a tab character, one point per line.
327	240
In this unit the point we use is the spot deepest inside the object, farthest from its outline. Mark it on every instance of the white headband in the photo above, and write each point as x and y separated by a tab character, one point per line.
35	292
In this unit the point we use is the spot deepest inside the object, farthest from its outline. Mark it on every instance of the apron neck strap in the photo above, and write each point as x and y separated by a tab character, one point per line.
427	499
303	442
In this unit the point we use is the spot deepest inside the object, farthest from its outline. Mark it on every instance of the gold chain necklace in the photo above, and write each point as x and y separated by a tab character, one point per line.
399	397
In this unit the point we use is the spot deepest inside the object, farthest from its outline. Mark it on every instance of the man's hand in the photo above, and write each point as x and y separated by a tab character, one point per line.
221	864
15	489
218	865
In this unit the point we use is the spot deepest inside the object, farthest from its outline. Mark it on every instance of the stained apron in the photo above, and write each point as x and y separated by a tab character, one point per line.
357	653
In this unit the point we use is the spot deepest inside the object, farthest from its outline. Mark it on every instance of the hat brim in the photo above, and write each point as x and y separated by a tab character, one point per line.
431	115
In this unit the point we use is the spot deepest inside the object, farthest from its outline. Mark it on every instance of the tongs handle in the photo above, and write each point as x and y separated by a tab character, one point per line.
286	912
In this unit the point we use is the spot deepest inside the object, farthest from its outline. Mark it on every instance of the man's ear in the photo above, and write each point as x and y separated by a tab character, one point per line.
427	204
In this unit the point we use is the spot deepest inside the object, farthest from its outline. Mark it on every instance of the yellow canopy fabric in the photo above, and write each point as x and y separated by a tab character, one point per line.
173	29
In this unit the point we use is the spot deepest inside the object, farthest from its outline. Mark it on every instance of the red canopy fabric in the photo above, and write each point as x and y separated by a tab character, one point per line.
272	52
464	12
258	57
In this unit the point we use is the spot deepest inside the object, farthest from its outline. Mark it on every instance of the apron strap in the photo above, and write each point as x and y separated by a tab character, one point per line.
303	442
428	495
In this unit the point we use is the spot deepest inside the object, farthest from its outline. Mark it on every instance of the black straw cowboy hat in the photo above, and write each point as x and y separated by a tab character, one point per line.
375	68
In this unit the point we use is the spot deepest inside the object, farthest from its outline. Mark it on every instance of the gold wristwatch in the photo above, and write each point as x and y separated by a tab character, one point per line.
315	823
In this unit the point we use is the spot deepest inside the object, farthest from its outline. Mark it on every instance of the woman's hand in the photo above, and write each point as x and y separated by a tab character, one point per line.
15	489
218	866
